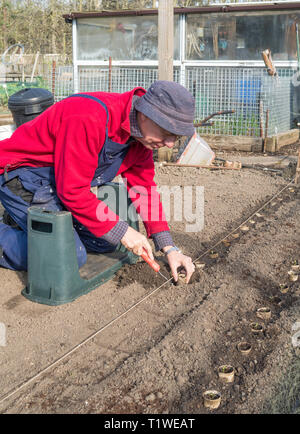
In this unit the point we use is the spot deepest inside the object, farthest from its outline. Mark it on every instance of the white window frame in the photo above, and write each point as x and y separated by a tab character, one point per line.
182	64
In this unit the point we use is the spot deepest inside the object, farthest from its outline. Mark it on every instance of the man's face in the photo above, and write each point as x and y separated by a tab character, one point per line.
154	136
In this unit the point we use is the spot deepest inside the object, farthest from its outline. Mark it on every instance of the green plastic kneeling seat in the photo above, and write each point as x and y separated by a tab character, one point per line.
53	274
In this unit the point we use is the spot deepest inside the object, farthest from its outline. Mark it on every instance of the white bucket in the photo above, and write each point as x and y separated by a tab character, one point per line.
196	151
6	131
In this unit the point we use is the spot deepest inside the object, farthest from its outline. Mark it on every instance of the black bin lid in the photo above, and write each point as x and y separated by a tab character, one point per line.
30	96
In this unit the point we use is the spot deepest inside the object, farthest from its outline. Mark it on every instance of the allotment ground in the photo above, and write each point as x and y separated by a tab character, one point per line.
162	355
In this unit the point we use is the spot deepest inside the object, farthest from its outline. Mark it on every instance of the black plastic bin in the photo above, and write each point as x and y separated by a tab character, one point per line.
28	103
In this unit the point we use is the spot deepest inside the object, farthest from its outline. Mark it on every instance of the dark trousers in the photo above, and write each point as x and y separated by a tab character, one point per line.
22	188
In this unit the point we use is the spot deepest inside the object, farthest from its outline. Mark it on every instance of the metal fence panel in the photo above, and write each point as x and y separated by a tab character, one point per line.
60	81
92	79
250	92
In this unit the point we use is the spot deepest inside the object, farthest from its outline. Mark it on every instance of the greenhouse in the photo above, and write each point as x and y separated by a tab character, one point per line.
217	56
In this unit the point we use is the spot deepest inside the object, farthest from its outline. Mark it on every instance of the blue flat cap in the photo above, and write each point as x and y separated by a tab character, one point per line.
169	105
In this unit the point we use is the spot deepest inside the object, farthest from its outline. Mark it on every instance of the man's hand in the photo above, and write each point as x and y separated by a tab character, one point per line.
177	260
136	242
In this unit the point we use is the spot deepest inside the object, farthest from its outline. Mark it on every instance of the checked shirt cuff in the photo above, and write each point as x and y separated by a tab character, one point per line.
162	239
115	235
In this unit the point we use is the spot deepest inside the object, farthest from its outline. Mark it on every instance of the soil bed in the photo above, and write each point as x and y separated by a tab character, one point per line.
164	354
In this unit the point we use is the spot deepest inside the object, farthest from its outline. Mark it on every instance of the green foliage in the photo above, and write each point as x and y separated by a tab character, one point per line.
242	125
8	89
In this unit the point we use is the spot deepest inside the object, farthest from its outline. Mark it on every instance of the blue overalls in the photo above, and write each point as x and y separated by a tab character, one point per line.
40	181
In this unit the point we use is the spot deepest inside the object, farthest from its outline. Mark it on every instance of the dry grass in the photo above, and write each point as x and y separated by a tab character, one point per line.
285	398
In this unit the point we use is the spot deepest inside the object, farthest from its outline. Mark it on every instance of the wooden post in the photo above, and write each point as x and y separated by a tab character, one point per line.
231	37
165	39
165	51
215	34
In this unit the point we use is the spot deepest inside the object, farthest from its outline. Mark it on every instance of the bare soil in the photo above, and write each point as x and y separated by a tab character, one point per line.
164	353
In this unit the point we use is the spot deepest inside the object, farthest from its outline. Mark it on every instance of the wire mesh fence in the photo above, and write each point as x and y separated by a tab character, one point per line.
114	80
250	92
95	79
60	81
262	104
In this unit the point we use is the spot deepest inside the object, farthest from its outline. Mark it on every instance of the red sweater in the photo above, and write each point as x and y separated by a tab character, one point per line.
69	136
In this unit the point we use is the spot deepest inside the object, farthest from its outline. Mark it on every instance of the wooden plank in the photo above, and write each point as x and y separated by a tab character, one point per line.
274	143
231	37
287	138
215	34
233	143
257	145
6	119
200	166
270	144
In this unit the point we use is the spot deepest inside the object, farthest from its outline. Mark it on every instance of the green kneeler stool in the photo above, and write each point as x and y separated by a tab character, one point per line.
53	274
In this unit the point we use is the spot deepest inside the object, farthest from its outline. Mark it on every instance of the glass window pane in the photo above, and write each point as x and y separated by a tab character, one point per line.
122	38
241	36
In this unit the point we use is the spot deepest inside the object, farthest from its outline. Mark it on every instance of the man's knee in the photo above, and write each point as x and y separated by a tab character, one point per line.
13	243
